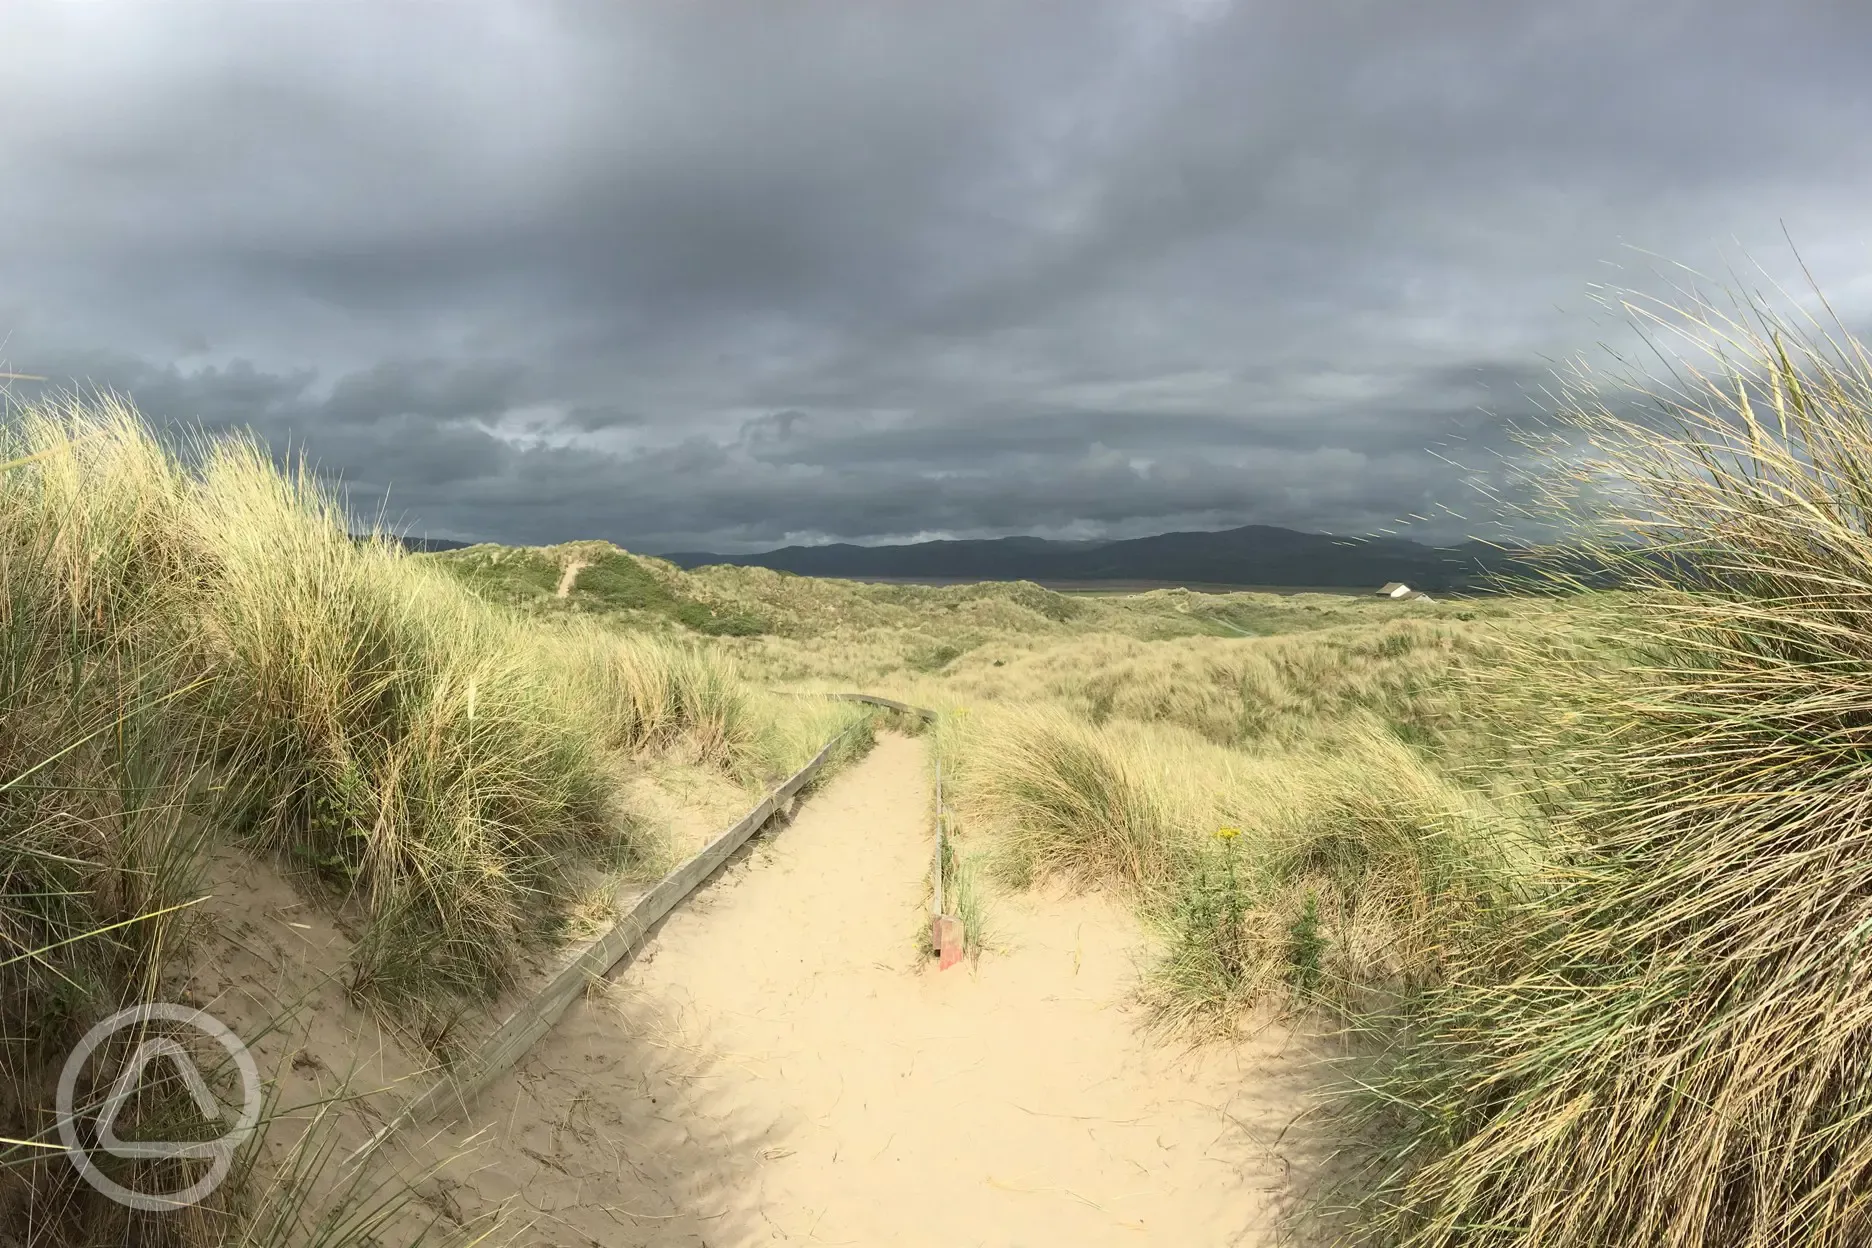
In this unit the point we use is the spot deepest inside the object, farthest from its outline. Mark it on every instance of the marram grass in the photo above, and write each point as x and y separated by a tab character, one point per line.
195	656
1672	1046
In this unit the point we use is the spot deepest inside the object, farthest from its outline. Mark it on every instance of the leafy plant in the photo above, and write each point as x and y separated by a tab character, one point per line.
1304	948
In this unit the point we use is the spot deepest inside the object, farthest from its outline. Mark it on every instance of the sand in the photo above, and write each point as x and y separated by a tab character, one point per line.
783	1064
569	577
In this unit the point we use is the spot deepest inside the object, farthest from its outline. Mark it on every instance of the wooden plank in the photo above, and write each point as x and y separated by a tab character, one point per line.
891	703
946	935
524	1027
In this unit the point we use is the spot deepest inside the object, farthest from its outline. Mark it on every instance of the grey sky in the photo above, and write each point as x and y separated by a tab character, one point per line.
696	274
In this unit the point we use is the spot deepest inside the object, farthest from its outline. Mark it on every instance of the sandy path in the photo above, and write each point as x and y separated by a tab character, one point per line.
781	1065
569	577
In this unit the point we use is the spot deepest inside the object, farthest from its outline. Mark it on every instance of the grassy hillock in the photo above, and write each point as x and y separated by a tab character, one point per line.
642	592
603	581
197	659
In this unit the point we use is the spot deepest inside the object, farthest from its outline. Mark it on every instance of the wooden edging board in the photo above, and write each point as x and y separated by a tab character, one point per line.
874	700
524	1027
936	861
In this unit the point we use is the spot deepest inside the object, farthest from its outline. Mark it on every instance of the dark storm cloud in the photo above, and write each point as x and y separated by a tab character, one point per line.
730	274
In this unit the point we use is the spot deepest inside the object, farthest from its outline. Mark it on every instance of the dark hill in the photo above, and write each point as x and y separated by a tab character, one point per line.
422	545
1252	555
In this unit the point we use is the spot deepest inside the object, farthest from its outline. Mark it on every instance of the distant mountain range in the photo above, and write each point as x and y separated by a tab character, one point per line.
1252	555
425	545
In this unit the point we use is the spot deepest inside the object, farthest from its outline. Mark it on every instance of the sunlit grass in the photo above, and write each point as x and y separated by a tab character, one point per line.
196	657
1669	1047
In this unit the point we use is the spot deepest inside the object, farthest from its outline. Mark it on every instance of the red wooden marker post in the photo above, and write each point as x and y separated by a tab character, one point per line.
946	936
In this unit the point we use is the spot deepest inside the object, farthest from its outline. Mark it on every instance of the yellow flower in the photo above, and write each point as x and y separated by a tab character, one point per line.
1227	834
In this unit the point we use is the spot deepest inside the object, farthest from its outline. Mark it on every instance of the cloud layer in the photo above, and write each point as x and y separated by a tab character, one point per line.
727	275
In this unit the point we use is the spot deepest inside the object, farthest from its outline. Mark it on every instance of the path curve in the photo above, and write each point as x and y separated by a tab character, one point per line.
783	1064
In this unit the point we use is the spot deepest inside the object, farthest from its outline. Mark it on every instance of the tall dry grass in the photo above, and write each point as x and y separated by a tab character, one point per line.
1079	802
1670	1047
437	760
195	657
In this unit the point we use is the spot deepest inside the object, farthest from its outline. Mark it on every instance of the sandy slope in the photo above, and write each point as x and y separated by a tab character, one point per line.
781	1065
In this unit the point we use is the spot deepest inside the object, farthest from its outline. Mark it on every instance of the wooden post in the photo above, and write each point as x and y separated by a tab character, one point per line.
947	939
950	941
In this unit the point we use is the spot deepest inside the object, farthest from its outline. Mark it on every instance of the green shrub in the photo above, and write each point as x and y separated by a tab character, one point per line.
619	581
933	658
1305	945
